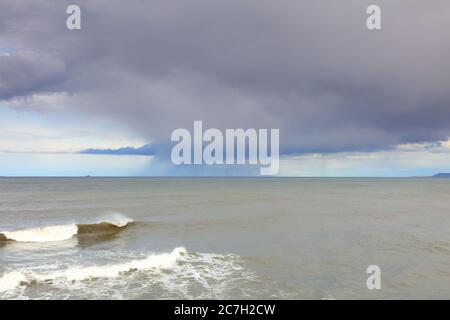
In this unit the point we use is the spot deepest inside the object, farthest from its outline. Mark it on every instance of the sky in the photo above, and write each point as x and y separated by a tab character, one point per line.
348	101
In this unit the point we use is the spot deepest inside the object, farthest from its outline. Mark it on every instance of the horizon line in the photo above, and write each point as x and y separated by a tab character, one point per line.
229	177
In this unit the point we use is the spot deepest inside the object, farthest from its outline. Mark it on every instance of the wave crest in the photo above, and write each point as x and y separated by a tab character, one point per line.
44	234
54	233
12	280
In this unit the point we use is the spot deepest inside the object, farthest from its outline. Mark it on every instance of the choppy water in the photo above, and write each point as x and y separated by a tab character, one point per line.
151	238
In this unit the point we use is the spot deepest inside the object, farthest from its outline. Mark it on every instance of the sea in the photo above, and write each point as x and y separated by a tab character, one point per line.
224	238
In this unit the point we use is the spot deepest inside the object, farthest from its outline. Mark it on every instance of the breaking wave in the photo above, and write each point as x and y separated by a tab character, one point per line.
107	225
13	279
175	274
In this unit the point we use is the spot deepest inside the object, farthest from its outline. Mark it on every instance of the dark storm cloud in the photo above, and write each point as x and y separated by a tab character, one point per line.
27	72
310	68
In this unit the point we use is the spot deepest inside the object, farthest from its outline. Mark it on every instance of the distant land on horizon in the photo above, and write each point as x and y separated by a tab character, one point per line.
442	175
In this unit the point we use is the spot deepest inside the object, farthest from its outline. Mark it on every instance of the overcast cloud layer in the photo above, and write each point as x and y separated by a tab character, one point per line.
310	68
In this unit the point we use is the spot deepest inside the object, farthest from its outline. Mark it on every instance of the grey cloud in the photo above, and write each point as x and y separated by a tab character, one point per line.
24	73
310	68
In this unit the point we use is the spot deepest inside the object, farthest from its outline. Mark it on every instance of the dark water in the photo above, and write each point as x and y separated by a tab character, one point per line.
149	238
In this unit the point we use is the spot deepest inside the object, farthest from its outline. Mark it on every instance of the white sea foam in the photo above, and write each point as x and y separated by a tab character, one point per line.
176	274
164	260
44	234
13	279
62	232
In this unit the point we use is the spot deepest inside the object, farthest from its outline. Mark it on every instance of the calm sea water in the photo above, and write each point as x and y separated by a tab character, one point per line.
153	238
